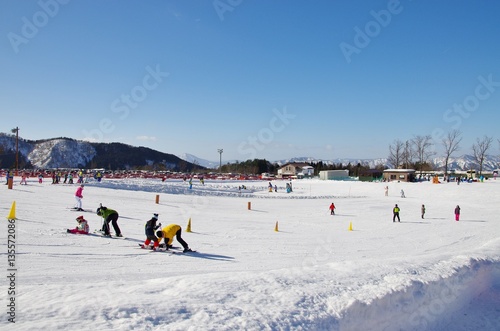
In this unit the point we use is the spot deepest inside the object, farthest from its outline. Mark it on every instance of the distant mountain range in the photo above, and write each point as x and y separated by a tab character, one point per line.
69	153
461	163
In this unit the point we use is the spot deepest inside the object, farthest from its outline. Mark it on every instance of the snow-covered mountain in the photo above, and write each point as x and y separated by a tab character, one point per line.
70	153
199	161
61	153
467	162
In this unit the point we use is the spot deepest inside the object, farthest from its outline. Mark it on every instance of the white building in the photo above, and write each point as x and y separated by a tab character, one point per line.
334	174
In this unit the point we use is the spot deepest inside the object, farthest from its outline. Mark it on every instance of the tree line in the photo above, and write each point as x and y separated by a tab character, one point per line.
416	152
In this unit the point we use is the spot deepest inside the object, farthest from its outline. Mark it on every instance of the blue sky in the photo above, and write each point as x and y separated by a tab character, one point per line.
259	79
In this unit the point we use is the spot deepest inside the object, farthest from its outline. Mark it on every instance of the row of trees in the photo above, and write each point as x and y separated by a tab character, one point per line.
416	152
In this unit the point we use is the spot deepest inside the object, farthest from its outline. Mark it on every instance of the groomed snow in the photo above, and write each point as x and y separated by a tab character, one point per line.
311	274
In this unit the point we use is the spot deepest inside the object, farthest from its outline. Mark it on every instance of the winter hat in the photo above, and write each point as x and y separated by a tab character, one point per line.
80	218
155	216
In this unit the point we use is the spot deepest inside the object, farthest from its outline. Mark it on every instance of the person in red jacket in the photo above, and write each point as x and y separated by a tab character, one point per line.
81	228
79	197
332	209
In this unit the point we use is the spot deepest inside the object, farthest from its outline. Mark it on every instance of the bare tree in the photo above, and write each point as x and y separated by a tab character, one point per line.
423	149
396	153
450	142
480	148
408	154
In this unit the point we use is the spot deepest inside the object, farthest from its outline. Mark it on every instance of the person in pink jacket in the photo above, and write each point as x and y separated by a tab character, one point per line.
457	213
79	197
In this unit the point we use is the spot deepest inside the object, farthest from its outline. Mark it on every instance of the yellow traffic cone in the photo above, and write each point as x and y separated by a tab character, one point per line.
188	229
276	227
350	226
12	214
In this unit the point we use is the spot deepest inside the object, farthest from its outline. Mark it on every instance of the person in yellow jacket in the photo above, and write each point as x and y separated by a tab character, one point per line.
168	233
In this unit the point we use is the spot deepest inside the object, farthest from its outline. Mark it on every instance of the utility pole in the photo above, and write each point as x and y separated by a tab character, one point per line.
16	131
220	150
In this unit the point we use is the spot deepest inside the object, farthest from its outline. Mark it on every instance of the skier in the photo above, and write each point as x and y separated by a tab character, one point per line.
403	194
109	215
150	228
395	212
40	178
23	179
332	209
423	210
79	197
457	213
270	187
386	190
168	233
81	228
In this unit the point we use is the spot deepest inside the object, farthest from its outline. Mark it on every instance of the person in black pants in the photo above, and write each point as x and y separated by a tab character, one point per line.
149	229
109	216
395	212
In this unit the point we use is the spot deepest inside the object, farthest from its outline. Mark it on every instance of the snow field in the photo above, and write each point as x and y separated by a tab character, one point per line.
313	274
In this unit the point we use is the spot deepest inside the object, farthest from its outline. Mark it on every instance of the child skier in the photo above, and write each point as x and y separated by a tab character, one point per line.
81	228
168	233
457	213
150	228
332	209
78	198
395	212
423	211
23	179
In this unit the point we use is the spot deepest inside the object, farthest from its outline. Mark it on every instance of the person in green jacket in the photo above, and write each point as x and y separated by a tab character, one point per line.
395	212
109	215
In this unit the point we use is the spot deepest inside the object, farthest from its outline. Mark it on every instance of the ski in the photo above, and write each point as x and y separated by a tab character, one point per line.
98	233
180	252
82	211
171	250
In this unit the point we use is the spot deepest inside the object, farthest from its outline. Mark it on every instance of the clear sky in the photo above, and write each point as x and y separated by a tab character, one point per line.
259	78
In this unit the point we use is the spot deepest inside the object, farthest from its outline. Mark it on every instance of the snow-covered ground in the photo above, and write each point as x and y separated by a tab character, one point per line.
311	274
